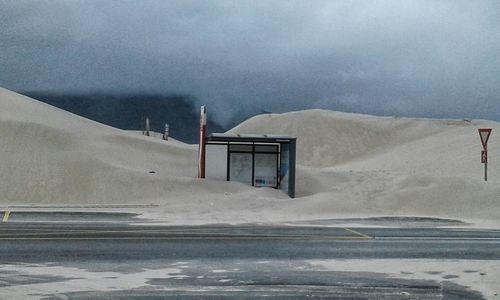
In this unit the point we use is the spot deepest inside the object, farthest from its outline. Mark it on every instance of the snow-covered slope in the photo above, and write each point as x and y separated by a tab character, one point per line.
52	156
352	163
349	165
329	138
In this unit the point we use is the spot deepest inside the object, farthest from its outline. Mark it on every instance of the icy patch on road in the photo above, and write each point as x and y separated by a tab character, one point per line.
78	280
479	275
220	271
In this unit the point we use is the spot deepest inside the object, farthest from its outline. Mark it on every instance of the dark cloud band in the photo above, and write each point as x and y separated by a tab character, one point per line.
407	58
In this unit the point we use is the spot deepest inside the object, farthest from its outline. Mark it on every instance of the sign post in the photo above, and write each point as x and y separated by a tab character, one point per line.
201	150
484	134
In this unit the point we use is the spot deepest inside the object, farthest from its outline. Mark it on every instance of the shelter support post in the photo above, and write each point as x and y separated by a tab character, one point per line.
291	183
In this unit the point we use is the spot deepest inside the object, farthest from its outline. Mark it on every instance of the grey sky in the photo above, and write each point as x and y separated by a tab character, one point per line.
407	58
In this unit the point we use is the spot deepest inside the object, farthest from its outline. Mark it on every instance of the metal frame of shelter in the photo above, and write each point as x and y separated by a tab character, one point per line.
261	144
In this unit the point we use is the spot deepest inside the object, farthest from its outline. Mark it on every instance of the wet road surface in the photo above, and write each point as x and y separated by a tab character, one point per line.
254	260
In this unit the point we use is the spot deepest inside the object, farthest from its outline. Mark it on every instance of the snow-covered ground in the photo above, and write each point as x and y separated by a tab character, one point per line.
349	165
50	279
480	275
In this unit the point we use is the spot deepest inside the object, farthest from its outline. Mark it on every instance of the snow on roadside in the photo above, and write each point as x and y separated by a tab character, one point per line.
479	275
78	280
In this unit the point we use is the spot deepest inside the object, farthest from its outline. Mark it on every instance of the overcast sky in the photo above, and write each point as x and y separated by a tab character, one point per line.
407	58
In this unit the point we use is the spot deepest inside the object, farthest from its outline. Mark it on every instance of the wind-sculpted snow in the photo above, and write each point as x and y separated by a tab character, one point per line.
348	166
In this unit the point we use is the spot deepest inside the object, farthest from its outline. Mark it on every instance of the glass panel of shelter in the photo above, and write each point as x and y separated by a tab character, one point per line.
240	167
254	164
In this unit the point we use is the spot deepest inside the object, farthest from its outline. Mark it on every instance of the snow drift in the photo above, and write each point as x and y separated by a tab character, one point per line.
50	156
348	165
351	163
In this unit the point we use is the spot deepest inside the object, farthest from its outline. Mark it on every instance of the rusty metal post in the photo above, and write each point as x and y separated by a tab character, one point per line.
201	149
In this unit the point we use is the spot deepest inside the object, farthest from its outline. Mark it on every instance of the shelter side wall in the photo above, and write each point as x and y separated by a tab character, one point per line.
216	162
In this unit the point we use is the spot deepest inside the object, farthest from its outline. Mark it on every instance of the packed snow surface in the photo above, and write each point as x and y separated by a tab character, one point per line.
348	165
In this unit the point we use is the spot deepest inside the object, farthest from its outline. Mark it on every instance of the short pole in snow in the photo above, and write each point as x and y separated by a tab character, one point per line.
147	126
165	135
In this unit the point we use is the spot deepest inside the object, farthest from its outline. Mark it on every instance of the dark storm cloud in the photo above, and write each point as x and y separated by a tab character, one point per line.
414	58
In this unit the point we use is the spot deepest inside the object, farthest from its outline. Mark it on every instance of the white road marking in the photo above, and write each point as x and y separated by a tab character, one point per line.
6	216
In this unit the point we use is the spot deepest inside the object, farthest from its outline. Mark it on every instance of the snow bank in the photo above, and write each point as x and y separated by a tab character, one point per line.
479	275
50	156
357	164
349	166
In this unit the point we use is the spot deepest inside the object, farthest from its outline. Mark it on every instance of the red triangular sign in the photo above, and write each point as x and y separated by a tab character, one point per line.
484	133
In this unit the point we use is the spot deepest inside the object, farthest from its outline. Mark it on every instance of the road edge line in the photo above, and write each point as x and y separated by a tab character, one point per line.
6	216
358	233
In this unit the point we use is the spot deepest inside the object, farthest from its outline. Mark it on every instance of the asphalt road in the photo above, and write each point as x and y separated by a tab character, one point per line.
116	243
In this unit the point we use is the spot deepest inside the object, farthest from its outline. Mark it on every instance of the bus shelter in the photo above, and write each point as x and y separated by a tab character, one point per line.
257	160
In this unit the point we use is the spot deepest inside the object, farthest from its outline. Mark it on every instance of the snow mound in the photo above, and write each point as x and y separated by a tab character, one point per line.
50	156
365	165
348	166
328	138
